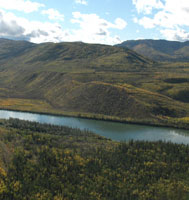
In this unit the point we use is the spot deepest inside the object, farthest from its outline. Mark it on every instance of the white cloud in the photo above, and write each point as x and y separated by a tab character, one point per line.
20	5
165	19
145	22
146	6
170	16
9	26
92	29
53	14
20	28
120	23
175	34
84	2
93	22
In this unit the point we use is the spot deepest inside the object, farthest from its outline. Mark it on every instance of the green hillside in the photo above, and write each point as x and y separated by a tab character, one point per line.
10	48
66	57
95	81
160	50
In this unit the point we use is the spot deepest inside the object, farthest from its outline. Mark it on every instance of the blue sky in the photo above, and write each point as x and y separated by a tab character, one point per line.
94	21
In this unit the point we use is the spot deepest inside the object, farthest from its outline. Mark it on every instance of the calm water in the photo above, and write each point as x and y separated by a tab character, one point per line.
112	130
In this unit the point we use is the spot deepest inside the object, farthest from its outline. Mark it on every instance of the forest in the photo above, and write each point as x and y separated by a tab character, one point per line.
47	162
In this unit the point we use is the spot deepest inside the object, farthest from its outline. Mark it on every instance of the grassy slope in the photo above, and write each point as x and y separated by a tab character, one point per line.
160	50
10	48
94	81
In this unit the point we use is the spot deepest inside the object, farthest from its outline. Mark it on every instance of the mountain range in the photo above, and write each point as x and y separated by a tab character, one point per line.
160	50
94	81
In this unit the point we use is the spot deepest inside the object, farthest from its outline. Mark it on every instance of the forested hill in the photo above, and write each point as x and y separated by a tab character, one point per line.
48	162
160	50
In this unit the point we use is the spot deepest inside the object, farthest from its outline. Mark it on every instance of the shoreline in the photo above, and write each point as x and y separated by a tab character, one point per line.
97	117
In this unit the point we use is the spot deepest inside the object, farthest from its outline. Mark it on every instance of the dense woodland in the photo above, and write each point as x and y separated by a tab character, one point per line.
46	162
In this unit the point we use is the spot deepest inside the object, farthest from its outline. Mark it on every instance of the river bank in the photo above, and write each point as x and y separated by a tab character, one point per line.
109	129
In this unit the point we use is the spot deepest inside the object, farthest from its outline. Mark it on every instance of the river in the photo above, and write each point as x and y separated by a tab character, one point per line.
113	130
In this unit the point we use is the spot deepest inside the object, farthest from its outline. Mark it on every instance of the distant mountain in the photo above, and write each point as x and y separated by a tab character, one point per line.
66	56
91	80
12	48
160	50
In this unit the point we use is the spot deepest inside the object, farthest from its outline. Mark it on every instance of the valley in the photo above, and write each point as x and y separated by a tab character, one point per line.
101	82
93	81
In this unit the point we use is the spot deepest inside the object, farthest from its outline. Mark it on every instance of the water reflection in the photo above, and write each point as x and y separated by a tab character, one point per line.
112	130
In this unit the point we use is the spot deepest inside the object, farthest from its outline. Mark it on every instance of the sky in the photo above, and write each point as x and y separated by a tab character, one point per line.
94	21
